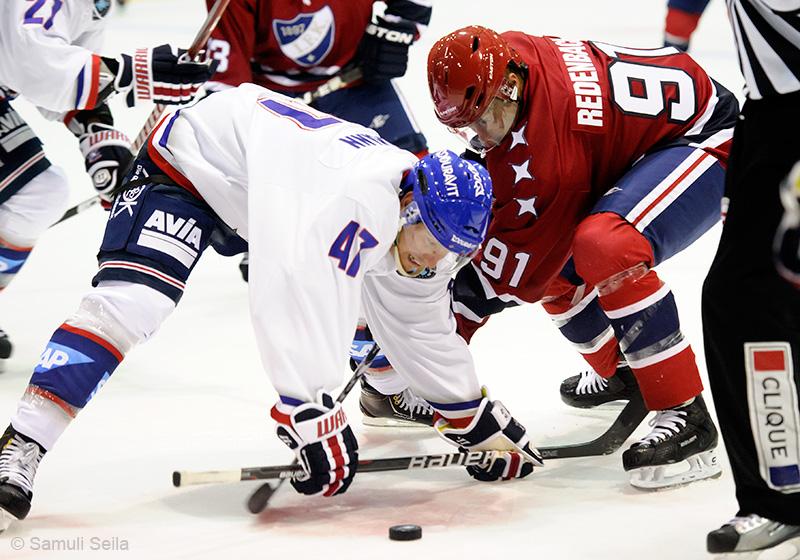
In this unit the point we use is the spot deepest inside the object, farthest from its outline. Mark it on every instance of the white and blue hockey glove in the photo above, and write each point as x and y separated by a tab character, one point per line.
383	51
325	446
164	75
493	428
107	155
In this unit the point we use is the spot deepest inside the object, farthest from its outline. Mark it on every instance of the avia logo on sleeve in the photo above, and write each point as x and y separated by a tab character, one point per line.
56	355
177	237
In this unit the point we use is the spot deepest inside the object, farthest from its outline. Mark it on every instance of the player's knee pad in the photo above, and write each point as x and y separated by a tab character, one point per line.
122	313
27	214
85	351
609	252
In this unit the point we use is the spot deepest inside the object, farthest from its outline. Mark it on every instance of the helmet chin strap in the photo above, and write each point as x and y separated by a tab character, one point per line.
396	254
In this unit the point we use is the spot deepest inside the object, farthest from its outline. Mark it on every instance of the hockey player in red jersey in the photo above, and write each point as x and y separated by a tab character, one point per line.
295	47
606	161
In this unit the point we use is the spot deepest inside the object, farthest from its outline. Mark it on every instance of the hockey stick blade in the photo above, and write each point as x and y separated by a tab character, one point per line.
259	499
214	15
626	423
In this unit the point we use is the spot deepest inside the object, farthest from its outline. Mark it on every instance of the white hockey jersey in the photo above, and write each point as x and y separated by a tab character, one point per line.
48	51
317	200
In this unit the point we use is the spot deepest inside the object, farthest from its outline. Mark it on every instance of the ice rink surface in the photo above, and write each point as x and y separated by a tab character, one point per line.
195	397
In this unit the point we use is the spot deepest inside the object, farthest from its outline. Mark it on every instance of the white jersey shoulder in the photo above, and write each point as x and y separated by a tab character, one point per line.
48	48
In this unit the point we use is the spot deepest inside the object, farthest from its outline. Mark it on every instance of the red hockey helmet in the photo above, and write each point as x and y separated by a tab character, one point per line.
465	71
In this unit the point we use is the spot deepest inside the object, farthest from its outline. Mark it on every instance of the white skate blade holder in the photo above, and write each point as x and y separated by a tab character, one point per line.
788	550
662	477
6	519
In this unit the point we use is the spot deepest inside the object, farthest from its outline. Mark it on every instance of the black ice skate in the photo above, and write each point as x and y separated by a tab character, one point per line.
588	389
684	433
751	533
399	410
19	459
5	348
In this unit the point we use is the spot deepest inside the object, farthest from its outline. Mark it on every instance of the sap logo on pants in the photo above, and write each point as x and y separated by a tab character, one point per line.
56	355
179	238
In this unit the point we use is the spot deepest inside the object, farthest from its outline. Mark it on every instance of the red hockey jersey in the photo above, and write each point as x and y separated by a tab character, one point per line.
592	110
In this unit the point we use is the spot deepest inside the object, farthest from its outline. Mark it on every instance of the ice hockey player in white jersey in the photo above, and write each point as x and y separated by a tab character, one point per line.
337	220
49	55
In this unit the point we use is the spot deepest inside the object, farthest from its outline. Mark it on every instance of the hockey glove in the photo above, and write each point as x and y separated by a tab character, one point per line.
383	51
493	428
325	446
107	155
163	75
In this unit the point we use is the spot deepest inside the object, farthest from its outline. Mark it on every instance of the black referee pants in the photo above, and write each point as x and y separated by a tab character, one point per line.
751	317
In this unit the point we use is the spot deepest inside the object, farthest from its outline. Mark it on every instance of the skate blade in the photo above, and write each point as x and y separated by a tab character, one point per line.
6	519
788	550
391	423
701	467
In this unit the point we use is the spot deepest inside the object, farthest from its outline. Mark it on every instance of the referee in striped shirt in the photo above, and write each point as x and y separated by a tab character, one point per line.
751	296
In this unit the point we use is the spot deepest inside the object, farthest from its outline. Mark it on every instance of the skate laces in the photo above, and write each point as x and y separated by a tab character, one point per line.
19	461
591	382
414	404
748	523
665	424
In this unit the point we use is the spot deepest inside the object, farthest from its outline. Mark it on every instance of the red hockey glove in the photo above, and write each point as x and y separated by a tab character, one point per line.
325	446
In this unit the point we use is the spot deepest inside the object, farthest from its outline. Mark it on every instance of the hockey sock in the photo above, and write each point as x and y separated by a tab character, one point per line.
75	364
11	260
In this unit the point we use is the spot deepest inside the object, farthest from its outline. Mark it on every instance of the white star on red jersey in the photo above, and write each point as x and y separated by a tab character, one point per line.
521	171
518	138
527	206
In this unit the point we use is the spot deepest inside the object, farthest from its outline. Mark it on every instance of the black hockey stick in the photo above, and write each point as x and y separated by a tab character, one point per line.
609	441
259	499
282	472
199	41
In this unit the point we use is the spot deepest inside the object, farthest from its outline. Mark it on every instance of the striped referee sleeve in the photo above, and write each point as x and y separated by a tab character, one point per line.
767	34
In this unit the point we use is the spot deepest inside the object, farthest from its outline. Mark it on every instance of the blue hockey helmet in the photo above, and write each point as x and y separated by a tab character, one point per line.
453	198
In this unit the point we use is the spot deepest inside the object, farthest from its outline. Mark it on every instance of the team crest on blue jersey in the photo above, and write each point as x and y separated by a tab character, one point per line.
308	38
101	8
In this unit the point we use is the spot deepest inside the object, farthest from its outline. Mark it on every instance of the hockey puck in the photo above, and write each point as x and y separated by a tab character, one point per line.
405	532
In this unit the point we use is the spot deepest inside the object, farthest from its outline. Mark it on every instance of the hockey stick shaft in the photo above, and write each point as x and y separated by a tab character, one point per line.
414	462
611	440
262	495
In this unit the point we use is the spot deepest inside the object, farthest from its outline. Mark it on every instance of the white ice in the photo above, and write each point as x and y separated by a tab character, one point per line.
195	397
